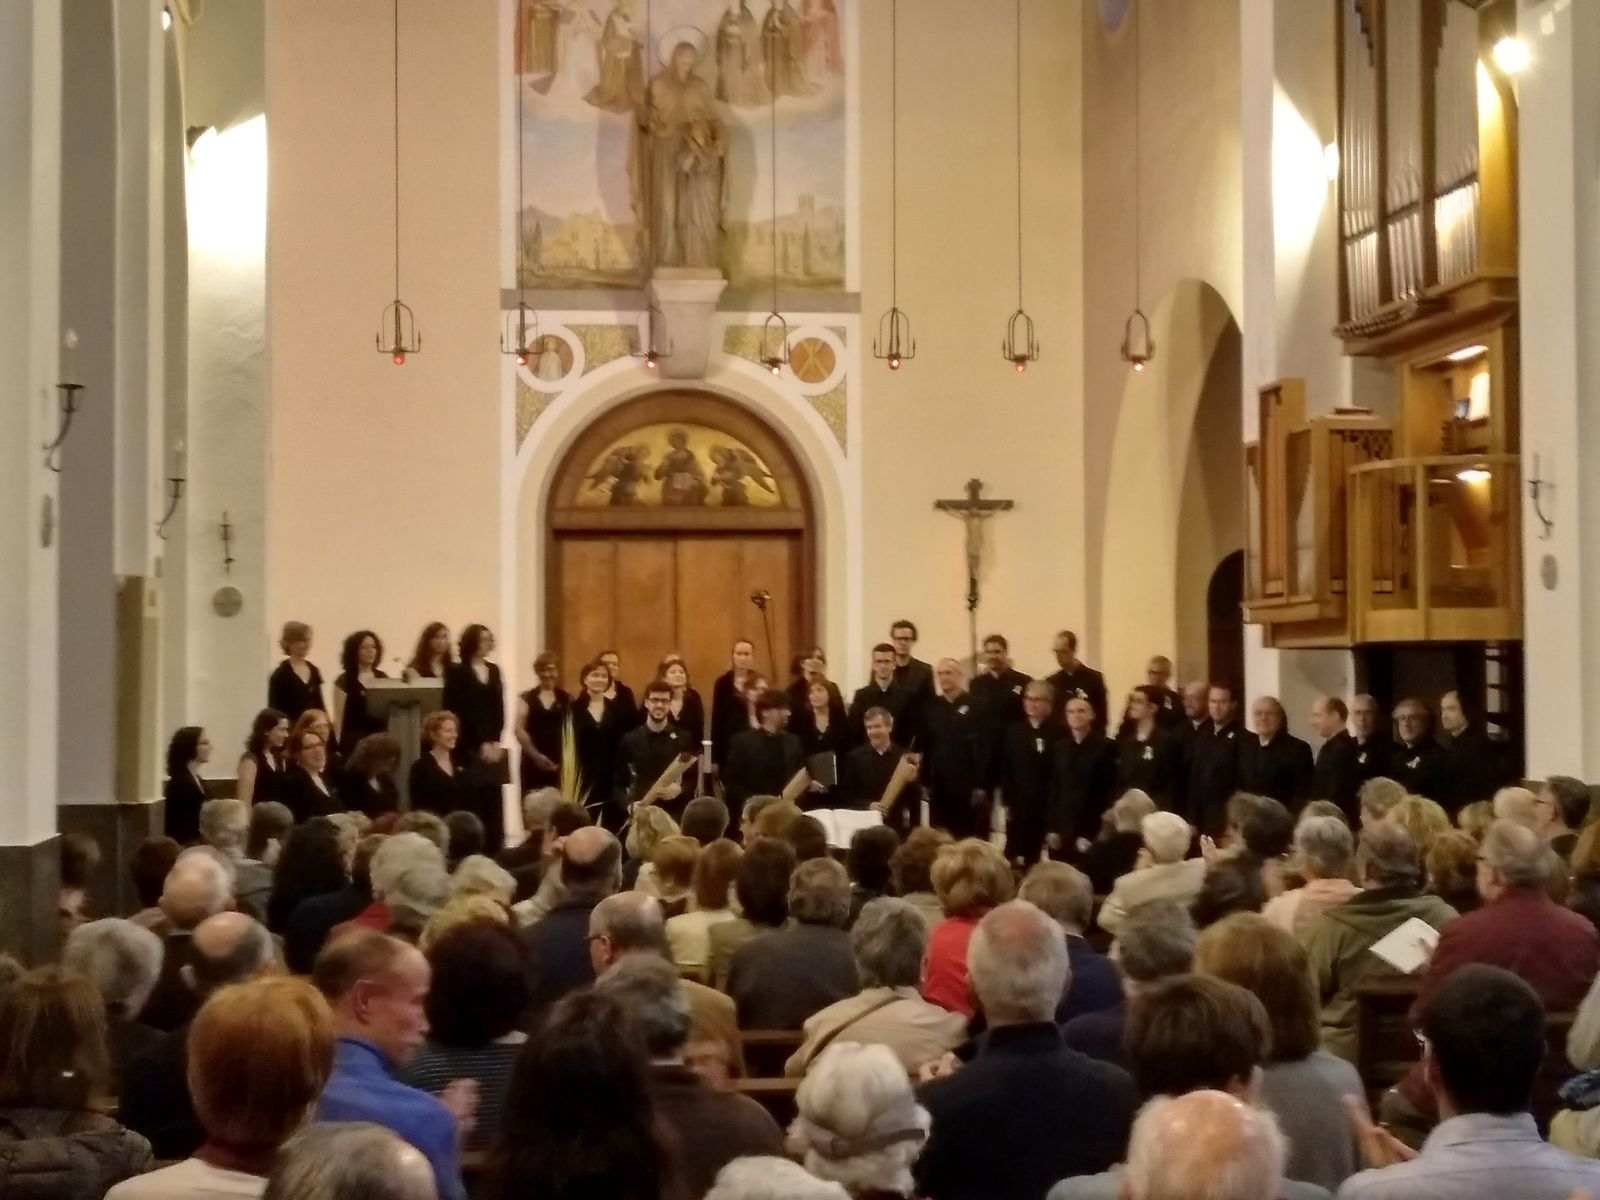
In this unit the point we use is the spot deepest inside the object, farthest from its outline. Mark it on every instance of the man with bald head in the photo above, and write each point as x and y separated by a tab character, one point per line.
1204	1145
952	758
198	886
558	943
1026	1111
227	948
1272	761
376	985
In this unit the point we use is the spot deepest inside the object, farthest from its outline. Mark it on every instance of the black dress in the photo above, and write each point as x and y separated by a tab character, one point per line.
691	718
729	715
480	709
597	744
289	696
305	799
544	727
834	741
435	790
374	796
356	724
184	795
1151	766
271	775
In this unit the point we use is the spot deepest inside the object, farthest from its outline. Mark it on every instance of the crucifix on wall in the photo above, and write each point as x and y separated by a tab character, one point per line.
974	510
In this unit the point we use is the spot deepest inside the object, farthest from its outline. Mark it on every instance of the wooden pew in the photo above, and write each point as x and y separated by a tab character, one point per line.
777	1096
767	1050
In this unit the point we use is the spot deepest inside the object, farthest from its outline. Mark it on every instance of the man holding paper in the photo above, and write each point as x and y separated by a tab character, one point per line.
880	774
651	760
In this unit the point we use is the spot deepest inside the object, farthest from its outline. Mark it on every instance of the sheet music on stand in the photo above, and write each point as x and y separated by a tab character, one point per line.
842	824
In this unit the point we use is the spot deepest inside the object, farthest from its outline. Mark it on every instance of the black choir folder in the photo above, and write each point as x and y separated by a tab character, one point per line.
824	769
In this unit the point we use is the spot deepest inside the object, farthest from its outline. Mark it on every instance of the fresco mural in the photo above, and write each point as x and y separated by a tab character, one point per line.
679	466
648	140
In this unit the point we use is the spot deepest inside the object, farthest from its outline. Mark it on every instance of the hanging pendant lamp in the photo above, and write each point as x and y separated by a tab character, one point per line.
520	337
397	324
1137	346
1021	346
775	330
894	343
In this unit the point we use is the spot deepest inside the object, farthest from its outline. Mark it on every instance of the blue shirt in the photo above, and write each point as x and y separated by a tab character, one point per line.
1480	1156
361	1089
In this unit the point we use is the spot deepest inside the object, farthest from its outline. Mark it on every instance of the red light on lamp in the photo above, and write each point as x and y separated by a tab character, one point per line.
1022	365
894	362
399	358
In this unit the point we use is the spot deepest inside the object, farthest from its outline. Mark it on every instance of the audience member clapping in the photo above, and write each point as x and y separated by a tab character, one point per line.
859	1122
779	978
123	961
1324	851
353	1160
1164	871
1116	851
258	1056
888	941
541	885
971	878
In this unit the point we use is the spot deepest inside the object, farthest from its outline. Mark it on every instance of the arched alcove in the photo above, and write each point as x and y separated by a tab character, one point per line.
1174	506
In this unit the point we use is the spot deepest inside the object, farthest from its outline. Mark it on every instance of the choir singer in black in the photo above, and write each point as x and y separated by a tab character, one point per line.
763	760
1274	762
1023	767
952	758
1335	777
869	768
1214	763
647	750
1083	783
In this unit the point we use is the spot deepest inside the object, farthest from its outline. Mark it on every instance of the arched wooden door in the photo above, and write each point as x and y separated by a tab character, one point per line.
666	516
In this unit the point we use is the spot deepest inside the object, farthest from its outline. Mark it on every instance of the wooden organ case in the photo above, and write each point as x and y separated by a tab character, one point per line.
1365	530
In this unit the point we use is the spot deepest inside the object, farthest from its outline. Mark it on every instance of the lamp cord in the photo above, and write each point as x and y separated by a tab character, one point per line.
894	158
772	98
397	149
1138	124
1019	155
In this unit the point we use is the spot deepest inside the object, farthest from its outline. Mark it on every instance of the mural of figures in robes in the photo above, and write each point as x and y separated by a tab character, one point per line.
639	154
681	465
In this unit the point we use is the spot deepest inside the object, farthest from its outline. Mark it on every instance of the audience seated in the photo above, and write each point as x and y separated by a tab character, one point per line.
1157	942
152	859
1063	894
1483	1038
315	918
1116	851
414	898
1520	929
1560	812
1422	818
689	933
376	985
971	878
465	837
225	826
123	961
1324	852
557	945
779	978
1001	1123
762	889
911	871
1451	870
631	923
539	888
774	818
480	875
476	999
228	948
705	819
772	1179
461	910
1376	799
395	855
888	942
580	1121
270	823
258	1056
197	887
55	1143
350	1161
1162	872
808	837
706	1129
1205	1145
525	860
671	875
1475	818
1585	865
651	824
80	862
1302	1084
1516	804
311	863
429	824
1232	884
867	863
1339	943
859	1122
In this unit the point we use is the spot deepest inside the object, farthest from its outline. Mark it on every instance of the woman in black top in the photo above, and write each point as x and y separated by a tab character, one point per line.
823	727
436	781
367	784
297	684
541	716
309	794
363	650
474	693
687	711
597	731
432	658
728	712
185	792
619	693
262	767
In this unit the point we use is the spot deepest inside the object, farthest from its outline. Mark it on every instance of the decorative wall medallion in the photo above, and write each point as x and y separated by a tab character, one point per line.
227	600
812	360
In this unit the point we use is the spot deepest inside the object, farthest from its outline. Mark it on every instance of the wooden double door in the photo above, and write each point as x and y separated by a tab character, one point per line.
647	594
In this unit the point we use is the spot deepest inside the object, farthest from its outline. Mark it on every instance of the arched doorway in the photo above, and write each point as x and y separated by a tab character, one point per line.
1225	623
666	516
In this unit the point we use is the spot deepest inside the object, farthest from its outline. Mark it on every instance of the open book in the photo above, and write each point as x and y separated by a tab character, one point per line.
842	823
1407	947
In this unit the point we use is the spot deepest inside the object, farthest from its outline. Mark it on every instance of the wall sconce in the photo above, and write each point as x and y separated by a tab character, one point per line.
69	407
175	483
1137	348
653	352
227	544
775	342
1536	489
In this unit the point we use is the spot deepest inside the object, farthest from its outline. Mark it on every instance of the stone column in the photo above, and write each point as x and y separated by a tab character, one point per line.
30	174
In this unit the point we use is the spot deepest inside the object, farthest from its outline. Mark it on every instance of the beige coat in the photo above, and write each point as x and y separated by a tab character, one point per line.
915	1030
1179	882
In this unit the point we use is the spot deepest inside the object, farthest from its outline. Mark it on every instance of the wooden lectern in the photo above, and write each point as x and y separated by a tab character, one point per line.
405	705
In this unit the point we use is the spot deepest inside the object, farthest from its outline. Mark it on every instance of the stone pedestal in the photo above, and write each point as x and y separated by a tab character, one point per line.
687	299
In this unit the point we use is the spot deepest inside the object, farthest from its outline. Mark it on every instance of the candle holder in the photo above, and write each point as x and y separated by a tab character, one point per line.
69	407
174	495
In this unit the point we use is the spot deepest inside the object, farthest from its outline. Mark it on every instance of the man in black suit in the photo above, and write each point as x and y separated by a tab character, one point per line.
1417	762
1374	748
881	691
953	768
1027	1111
761	761
648	749
868	768
1077	679
1158	685
1083	783
1213	768
1274	762
997	688
1476	763
1336	777
1147	758
1022	769
914	676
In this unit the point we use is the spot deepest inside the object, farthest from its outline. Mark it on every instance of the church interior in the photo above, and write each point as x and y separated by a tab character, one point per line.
1254	336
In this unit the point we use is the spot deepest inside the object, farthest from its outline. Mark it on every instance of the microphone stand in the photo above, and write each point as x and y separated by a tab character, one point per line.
762	599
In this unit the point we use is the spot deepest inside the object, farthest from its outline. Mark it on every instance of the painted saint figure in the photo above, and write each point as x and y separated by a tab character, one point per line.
686	146
732	466
621	85
625	468
741	65
683	479
783	38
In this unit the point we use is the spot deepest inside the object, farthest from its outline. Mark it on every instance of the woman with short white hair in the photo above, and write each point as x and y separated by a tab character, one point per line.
860	1123
1325	850
123	961
1163	871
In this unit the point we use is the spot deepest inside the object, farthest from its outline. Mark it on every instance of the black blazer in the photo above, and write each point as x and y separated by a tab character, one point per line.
305	799
356	794
1281	769
184	796
1423	769
1152	766
759	764
1084	682
355	723
289	696
480	707
729	715
1083	784
433	789
1335	777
